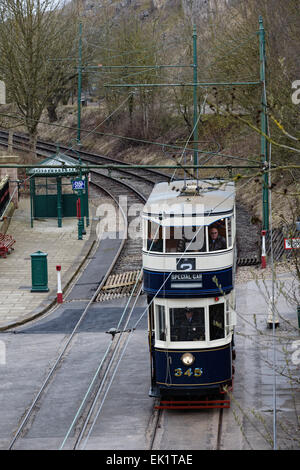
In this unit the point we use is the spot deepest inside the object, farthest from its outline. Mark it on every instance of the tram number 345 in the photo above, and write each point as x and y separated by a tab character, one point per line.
197	372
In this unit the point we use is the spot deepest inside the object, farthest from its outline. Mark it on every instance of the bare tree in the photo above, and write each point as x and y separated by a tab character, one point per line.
32	34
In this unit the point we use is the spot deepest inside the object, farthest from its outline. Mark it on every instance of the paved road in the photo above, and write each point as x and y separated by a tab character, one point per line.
126	412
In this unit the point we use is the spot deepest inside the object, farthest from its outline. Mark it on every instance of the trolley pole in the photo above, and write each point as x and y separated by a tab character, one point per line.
264	126
195	96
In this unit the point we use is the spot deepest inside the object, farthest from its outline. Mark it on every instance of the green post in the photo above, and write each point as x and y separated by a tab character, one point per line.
32	193
195	95
80	230
39	272
79	85
59	202
87	214
264	126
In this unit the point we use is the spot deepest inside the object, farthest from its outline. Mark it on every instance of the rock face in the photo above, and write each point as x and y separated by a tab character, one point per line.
189	7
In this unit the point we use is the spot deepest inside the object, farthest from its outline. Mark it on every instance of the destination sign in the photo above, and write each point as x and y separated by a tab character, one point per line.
189	284
186	280
186	277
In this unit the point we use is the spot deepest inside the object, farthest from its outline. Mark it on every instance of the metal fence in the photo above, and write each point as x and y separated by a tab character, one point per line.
4	194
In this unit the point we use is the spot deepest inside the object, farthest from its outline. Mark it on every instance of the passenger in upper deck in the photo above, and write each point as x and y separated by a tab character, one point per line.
216	242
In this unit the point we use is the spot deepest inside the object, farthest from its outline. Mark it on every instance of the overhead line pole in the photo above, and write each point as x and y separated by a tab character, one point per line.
79	68
195	97
263	140
195	84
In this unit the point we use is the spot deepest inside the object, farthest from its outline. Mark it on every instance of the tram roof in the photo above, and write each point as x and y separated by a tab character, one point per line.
213	197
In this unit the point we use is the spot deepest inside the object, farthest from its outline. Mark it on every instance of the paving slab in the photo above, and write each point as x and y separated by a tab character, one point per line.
17	302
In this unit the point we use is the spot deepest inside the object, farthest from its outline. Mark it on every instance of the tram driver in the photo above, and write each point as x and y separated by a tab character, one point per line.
191	328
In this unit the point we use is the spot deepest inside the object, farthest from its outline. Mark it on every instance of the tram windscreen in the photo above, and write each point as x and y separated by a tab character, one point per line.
187	324
216	321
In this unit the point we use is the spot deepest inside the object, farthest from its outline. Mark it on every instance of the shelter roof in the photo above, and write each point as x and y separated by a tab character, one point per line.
68	166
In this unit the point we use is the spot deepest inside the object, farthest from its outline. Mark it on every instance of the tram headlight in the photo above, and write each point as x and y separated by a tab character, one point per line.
187	359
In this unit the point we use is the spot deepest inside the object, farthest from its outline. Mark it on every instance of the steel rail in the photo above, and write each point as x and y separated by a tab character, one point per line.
94	296
40	143
117	351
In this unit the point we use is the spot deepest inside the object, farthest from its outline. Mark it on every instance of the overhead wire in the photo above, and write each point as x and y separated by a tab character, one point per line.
142	141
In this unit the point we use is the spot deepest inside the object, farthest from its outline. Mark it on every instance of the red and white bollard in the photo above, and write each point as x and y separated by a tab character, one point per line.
263	250
59	291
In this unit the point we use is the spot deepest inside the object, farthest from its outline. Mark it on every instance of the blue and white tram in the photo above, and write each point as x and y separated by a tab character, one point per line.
188	269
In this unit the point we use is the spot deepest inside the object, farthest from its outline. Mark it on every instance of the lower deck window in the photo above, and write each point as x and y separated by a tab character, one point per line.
216	321
161	323
187	324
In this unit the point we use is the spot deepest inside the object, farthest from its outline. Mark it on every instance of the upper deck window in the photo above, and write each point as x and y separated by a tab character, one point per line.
197	239
180	239
154	237
217	236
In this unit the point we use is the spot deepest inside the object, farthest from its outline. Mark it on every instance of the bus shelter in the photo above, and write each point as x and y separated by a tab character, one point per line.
55	192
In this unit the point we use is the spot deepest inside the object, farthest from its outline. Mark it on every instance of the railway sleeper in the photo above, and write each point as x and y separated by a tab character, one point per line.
248	261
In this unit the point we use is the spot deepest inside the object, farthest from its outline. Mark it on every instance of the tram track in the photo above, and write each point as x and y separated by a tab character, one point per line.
99	387
162	430
114	348
248	235
121	338
21	142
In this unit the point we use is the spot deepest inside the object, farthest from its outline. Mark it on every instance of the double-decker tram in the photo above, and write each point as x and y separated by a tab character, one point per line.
188	269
